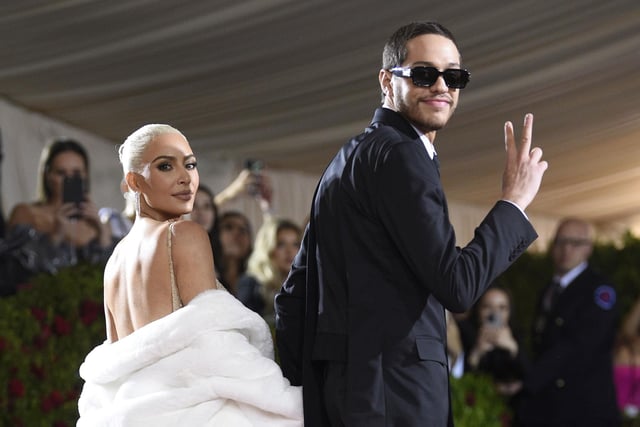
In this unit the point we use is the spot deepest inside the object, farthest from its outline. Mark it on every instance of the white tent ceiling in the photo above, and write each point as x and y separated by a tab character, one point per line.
288	81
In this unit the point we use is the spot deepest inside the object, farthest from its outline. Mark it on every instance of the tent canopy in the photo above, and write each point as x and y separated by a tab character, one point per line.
289	81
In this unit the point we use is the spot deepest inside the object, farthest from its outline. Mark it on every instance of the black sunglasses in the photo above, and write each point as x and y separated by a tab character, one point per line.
427	76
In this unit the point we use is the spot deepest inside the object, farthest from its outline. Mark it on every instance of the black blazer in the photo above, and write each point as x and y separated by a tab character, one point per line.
377	266
571	379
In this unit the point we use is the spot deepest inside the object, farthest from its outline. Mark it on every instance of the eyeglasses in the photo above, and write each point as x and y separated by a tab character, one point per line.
427	76
569	241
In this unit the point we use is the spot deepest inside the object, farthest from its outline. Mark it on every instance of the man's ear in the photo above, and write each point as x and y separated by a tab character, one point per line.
133	179
384	77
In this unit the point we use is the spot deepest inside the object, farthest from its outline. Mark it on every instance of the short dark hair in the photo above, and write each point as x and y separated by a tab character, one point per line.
395	50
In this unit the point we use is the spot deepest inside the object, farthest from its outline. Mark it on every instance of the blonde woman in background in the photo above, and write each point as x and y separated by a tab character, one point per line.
277	243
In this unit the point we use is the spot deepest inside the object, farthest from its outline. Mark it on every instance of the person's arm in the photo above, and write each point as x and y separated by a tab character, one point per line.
20	214
192	260
89	212
236	188
290	304
411	204
482	345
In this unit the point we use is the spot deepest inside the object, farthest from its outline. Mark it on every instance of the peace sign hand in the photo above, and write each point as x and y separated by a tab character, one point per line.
524	166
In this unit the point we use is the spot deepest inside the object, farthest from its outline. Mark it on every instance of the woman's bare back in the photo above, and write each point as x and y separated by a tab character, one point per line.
137	279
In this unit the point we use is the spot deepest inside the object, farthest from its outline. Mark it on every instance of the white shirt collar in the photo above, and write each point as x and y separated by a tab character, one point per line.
431	150
572	274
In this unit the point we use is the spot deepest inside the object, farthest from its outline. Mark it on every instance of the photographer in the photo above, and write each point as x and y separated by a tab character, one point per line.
496	351
62	227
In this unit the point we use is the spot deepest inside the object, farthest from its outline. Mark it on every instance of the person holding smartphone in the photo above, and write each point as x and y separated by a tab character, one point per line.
496	350
63	225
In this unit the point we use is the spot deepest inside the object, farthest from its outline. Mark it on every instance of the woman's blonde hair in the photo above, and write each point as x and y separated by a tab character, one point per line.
132	149
260	265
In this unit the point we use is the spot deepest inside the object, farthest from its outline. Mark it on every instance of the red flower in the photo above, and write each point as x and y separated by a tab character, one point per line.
73	395
3	344
89	311
61	326
57	398
41	340
54	400
37	371
470	399
39	314
46	405
16	388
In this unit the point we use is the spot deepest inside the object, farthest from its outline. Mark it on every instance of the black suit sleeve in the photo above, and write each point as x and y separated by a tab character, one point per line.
412	206
290	305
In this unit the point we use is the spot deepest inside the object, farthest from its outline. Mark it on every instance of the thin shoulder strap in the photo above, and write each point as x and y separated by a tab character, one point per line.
176	303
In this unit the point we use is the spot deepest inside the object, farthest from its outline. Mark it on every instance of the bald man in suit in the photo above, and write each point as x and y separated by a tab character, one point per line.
571	380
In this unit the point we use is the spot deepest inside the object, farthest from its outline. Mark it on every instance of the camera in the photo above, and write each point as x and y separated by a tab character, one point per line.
73	191
494	319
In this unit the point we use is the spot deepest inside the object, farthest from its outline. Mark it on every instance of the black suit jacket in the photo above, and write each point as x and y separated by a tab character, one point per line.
571	379
376	269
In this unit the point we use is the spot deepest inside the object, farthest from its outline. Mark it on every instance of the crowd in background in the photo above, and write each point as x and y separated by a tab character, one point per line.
64	226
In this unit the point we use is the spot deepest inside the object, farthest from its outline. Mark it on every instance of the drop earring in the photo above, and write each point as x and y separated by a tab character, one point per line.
137	202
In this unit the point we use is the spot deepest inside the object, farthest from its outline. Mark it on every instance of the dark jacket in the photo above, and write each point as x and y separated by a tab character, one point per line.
571	380
377	266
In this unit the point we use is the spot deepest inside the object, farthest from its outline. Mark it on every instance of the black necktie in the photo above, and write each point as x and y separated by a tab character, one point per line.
551	296
437	162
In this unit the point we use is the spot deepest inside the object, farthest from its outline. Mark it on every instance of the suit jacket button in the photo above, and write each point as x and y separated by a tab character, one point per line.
559	321
560	383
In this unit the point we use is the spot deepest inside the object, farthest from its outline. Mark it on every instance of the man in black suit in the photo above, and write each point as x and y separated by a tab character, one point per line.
571	380
360	319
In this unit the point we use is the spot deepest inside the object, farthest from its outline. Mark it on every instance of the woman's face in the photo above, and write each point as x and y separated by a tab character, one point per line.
494	308
203	212
169	179
235	238
64	164
287	245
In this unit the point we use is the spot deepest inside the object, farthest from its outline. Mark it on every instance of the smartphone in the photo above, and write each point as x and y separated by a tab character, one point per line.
73	189
494	319
255	167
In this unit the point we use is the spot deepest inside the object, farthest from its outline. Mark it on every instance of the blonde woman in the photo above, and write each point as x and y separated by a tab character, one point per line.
277	243
180	349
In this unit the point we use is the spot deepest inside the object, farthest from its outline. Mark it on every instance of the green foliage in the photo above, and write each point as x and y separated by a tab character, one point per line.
46	330
475	402
622	266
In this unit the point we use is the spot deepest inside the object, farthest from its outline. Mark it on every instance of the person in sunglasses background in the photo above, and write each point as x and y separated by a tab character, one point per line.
360	320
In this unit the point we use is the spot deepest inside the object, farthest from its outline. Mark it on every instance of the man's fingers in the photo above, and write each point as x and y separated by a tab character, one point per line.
508	135
536	154
527	132
510	144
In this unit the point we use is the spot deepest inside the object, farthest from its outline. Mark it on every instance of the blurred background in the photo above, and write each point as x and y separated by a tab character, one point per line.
288	82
